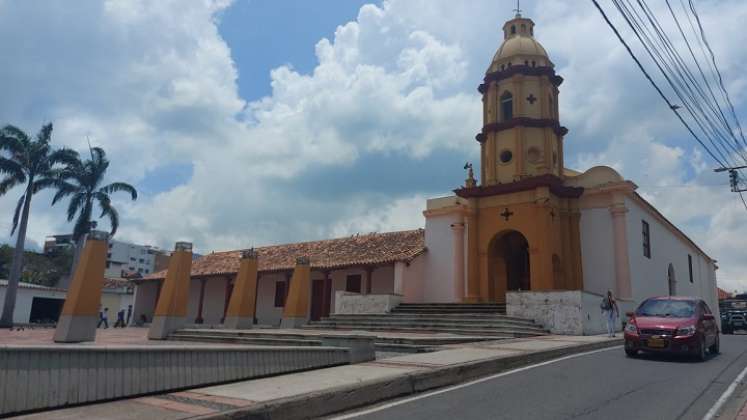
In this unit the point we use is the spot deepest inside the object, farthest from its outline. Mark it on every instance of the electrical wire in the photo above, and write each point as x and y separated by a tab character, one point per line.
653	83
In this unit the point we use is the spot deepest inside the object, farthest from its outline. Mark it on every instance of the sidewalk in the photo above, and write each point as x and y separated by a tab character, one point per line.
319	392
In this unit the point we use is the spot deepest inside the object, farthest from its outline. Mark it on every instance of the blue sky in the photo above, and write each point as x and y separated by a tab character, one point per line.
252	122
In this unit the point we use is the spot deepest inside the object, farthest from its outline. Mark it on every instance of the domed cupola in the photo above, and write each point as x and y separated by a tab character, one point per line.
519	47
521	135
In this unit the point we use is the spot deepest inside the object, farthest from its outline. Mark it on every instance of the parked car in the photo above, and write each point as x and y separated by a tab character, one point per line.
733	314
672	324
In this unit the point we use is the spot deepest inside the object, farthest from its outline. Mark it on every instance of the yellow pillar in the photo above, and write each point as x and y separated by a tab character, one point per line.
171	308
296	311
242	305
80	313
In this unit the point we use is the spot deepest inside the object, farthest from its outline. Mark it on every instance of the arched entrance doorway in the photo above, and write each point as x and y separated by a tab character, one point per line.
508	264
672	280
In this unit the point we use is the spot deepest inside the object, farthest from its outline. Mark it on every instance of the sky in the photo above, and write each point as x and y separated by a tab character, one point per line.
253	122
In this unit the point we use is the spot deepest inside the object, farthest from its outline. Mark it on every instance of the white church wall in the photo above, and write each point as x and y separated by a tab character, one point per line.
597	250
649	276
144	301
414	282
25	298
438	284
267	313
214	301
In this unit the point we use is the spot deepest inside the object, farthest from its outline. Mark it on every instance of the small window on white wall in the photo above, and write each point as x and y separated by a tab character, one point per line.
690	267
646	239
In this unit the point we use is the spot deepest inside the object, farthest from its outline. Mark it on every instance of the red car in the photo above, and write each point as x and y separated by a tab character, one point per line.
670	324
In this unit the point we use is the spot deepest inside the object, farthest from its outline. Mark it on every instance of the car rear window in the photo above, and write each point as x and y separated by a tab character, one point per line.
666	308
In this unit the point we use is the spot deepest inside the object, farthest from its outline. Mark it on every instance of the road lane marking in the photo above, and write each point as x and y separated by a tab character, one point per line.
466	384
725	396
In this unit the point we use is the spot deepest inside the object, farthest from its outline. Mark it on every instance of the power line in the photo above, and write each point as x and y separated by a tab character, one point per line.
653	83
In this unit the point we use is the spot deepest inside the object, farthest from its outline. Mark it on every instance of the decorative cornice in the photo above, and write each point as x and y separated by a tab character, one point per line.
522	122
554	183
499	75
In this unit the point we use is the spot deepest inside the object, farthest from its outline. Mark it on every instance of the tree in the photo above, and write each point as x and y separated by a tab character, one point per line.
33	163
81	181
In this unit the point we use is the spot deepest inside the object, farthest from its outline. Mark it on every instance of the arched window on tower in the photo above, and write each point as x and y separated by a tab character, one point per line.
507	106
513	29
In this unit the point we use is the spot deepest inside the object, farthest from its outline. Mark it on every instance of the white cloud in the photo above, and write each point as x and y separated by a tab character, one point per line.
154	83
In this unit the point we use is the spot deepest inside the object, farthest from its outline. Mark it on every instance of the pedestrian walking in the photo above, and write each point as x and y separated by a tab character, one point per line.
103	318
611	313
129	313
120	319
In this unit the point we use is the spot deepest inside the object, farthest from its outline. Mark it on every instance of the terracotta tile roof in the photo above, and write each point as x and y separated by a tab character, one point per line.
723	294
357	250
112	283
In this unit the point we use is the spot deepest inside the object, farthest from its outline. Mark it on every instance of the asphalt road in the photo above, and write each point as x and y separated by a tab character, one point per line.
604	385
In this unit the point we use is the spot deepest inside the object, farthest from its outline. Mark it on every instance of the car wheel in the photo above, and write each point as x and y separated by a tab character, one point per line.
701	352
631	352
716	347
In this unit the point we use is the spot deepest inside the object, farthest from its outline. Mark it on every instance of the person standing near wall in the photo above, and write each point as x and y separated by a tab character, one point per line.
103	318
611	313
129	313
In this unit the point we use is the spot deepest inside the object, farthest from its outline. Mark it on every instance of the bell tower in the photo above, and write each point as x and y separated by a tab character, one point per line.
521	135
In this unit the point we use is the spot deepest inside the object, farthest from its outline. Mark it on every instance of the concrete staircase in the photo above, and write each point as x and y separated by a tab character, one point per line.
401	344
462	319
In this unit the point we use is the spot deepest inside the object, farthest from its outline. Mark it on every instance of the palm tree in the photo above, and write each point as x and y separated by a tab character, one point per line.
33	163
81	181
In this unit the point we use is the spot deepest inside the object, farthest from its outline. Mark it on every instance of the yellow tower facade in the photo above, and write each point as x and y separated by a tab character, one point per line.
522	220
521	135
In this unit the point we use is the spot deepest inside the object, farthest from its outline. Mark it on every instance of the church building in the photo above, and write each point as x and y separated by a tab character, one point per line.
527	232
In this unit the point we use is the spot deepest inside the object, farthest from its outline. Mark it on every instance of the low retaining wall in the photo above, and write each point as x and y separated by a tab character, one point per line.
353	303
569	312
37	377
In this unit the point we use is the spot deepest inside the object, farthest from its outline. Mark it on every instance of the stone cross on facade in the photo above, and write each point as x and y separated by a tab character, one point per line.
507	214
531	98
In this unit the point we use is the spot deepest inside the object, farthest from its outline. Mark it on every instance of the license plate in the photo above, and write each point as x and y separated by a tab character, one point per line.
656	343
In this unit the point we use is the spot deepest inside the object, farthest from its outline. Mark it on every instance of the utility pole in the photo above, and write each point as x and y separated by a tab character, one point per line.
733	177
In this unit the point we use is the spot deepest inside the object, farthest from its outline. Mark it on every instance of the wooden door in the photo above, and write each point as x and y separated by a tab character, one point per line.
317	299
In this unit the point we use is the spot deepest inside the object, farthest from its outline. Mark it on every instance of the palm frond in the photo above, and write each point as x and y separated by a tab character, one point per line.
7	184
12	168
64	189
107	210
120	186
43	183
64	156
83	223
75	203
17	214
45	134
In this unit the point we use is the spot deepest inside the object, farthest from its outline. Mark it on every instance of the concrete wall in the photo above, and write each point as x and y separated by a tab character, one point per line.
24	299
597	250
438	284
572	312
267	313
354	303
649	275
144	302
37	377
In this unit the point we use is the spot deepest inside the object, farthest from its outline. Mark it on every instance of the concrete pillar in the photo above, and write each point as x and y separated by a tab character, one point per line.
242	306
622	261
399	278
171	309
80	313
296	311
457	230
473	259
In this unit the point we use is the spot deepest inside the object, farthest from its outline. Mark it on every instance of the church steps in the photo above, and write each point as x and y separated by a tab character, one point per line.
495	334
226	338
466	327
418	319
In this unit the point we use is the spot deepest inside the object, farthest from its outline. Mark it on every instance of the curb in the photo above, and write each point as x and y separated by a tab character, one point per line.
343	398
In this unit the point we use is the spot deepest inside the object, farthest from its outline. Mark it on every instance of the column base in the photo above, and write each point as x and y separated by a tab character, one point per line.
293	322
238	322
162	326
76	328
